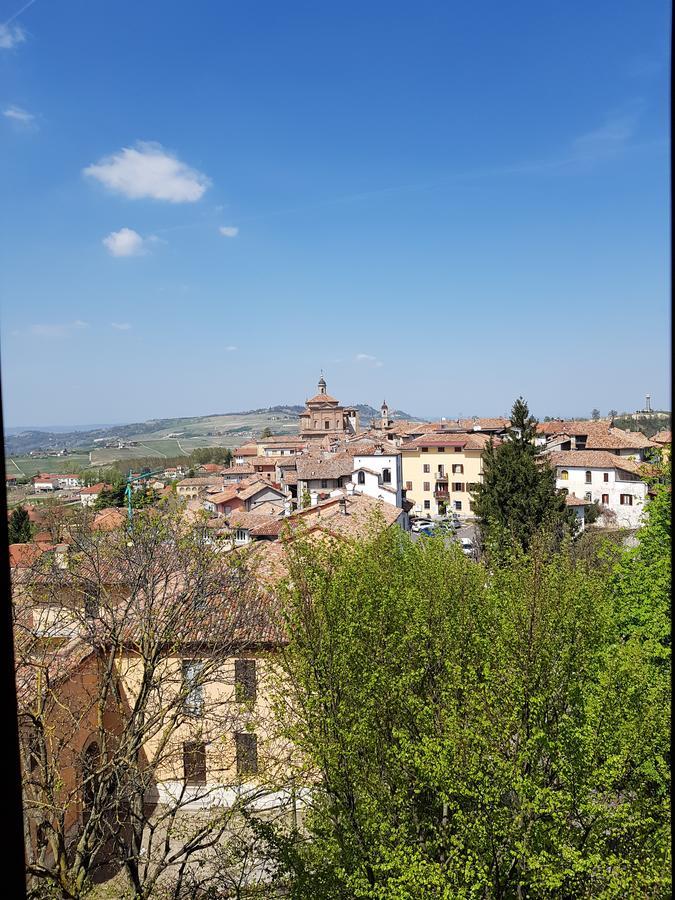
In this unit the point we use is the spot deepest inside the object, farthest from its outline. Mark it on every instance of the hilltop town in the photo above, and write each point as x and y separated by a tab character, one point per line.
151	635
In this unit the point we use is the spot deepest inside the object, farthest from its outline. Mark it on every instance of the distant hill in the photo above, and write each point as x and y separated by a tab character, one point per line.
213	430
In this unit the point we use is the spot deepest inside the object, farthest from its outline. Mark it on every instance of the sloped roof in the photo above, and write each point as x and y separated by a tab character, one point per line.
338	465
590	459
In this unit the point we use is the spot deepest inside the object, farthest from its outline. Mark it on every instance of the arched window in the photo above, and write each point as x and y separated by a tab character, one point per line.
564	474
361	478
386	476
588	477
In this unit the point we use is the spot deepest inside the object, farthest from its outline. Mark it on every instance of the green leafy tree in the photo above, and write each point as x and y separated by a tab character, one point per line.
469	734
108	497
19	527
265	433
518	496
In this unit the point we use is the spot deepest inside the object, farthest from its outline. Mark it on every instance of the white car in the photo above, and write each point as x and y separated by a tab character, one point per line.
467	546
420	524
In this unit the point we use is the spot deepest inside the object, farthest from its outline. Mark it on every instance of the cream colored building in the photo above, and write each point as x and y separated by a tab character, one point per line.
441	470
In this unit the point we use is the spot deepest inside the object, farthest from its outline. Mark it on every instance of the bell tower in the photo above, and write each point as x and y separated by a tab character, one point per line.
385	421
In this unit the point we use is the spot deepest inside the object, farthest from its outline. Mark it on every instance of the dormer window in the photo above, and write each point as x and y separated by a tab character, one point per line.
564	475
361	478
386	476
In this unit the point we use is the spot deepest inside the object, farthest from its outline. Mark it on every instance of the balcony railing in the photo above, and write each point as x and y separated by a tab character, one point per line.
441	476
441	494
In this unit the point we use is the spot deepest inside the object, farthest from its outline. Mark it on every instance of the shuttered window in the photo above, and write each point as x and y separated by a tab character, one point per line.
247	753
245	680
194	762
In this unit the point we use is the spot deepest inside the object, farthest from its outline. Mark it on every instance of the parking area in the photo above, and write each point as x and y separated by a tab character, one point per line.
466	531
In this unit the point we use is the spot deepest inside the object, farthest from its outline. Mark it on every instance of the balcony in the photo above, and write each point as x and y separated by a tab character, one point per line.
442	494
441	476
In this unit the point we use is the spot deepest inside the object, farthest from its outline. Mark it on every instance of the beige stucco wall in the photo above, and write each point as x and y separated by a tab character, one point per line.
413	471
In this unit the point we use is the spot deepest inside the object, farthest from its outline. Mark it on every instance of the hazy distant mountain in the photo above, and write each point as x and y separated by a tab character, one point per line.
21	441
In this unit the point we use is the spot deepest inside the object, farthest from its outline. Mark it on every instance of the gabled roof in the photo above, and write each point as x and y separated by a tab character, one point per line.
96	488
593	459
337	465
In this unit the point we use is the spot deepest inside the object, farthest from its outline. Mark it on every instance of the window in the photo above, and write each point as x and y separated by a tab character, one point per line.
245	681
427	504
425	449
193	703
426	486
458	449
626	499
605	476
408	485
194	762
564	475
386	476
240	536
458	505
427	468
458	485
326	425
458	469
440	449
361	478
588	477
588	496
605	499
324	483
247	753
91	603
441	471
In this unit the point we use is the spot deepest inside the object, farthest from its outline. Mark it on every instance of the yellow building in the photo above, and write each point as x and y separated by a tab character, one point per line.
440	472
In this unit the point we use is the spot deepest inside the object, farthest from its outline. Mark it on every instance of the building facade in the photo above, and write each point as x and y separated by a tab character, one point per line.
323	417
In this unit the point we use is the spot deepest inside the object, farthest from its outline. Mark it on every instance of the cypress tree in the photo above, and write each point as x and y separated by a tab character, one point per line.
19	527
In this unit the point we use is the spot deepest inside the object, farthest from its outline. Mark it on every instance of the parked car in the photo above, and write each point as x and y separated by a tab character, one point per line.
419	524
445	526
467	546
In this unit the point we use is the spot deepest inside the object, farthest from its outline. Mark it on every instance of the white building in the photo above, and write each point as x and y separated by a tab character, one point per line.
89	495
379	475
614	482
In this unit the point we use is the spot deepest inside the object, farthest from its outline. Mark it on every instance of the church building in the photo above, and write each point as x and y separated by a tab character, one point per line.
324	417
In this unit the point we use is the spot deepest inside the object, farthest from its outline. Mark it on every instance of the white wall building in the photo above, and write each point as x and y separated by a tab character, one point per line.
614	482
379	475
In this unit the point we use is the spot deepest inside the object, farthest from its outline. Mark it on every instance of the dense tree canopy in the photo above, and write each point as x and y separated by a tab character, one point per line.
473	733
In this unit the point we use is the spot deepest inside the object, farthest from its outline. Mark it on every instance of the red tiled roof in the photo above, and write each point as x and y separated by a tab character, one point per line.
96	488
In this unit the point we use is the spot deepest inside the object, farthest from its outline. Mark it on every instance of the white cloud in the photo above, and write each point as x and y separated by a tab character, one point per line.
372	361
18	115
121	326
125	242
228	230
230	348
57	329
612	136
10	36
148	170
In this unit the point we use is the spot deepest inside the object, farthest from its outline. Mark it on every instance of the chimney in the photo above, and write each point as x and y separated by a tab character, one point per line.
314	498
287	507
342	503
349	487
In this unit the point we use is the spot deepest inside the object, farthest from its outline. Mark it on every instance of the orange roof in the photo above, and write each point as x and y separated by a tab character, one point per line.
24	555
96	488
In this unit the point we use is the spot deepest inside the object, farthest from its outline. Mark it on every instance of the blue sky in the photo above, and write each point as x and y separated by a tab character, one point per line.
443	204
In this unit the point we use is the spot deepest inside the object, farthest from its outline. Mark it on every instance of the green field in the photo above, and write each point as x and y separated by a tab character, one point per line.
32	465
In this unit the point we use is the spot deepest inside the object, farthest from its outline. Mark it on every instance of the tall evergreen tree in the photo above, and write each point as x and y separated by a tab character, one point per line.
518	496
19	527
